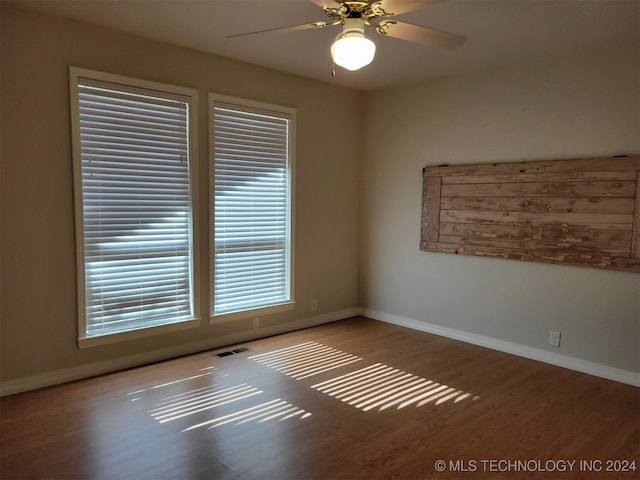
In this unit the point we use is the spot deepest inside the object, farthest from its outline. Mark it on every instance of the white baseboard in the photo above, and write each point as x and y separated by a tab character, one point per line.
56	377
584	366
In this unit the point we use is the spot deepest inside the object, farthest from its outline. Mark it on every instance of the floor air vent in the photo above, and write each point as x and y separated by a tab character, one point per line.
230	352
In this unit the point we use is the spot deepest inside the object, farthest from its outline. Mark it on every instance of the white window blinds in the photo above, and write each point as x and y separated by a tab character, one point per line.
136	207
252	208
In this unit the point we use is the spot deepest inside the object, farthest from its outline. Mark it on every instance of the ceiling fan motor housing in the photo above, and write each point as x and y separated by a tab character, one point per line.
352	27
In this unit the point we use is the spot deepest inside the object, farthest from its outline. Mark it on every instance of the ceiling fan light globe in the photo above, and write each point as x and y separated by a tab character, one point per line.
353	52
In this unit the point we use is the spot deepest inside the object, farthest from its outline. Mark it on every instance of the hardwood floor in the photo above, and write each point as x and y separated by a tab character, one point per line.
350	400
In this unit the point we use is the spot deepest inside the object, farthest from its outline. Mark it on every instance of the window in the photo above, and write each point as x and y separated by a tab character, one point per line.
252	171
133	144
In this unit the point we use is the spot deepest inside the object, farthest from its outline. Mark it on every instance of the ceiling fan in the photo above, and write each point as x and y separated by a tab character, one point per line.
351	49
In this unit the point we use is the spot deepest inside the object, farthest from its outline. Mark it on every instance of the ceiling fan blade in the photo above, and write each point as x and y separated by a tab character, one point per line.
326	3
397	7
292	28
418	34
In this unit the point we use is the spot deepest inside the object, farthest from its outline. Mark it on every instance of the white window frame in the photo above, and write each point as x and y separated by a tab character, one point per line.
136	86
269	110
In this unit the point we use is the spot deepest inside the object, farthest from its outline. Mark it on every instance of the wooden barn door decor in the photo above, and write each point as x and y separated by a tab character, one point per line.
577	212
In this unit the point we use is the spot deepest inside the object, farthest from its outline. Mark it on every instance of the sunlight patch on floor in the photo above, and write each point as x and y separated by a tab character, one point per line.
274	410
199	400
378	387
305	360
209	400
167	384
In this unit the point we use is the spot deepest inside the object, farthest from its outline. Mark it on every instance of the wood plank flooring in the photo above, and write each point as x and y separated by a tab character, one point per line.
356	399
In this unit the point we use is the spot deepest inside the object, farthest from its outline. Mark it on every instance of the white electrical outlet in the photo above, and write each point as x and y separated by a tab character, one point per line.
554	338
314	304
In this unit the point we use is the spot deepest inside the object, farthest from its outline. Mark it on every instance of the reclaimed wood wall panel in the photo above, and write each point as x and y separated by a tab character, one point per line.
582	212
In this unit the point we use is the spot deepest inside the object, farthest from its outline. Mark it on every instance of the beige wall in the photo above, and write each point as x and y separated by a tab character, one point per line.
579	104
38	310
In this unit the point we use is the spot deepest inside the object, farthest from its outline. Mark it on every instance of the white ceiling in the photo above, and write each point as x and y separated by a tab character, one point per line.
498	31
